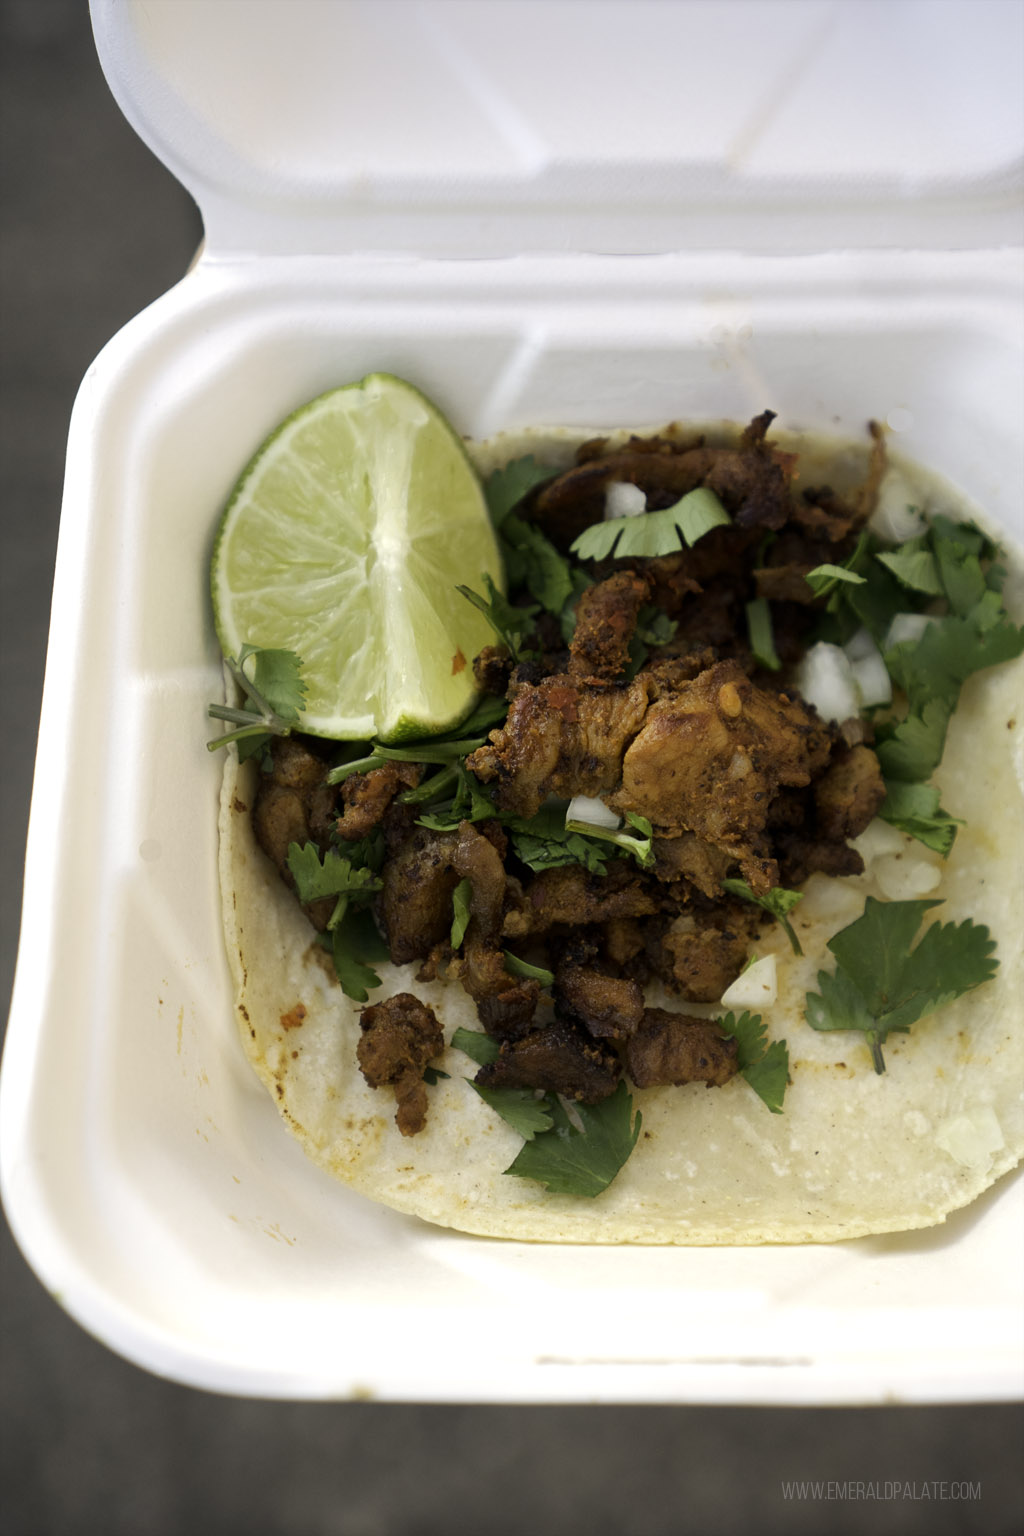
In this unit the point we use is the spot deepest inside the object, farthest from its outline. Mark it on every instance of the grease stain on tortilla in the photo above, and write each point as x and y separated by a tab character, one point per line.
275	1232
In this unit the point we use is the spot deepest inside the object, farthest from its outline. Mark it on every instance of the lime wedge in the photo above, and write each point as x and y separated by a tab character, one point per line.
345	540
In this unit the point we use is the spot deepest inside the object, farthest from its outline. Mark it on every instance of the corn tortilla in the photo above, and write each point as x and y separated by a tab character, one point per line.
853	1153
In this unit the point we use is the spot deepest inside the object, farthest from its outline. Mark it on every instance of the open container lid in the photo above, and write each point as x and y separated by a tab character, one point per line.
146	1173
461	128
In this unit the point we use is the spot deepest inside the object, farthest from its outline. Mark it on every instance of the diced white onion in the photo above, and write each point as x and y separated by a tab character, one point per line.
756	987
901	878
621	499
895	517
878	839
972	1139
595	812
870	677
906	626
825	679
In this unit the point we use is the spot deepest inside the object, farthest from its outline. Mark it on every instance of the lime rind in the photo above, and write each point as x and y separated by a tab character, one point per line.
345	540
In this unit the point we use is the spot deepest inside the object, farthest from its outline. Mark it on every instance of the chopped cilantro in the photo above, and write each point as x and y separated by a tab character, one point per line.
532	560
475	1044
650	534
915	566
911	749
461	898
439	749
881	986
824	578
520	1107
471	803
764	1066
530	972
542	841
334	875
759	628
347	948
639	847
779	902
275	696
506	487
508	621
915	809
572	1161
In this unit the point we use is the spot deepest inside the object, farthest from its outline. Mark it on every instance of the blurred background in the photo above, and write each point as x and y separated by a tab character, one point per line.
93	230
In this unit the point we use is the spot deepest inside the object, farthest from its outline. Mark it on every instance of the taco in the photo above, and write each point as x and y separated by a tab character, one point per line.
691	756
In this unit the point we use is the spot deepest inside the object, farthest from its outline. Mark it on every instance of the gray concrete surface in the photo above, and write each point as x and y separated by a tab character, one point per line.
94	229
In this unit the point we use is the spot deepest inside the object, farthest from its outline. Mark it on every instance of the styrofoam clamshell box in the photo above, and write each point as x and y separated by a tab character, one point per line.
595	216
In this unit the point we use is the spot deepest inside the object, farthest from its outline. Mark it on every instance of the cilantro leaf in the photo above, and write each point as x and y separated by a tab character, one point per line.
357	979
640	847
475	1044
779	902
461	898
520	1107
824	578
355	945
523	968
471	803
915	566
911	749
332	876
951	649
881	986
508	621
650	534
569	1161
915	809
274	698
437	749
759	628
506	487
532	560
542	841
764	1066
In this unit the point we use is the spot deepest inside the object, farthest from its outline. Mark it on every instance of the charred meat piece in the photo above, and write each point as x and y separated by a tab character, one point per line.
823	512
557	1059
505	1004
810	827
606	618
700	962
609	1007
849	794
569	895
478	859
367	796
688	857
492	669
294	804
415	903
562	738
400	1036
675	1048
750	478
710	758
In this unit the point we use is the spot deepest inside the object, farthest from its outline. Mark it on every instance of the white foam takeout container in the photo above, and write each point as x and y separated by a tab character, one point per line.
654	229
